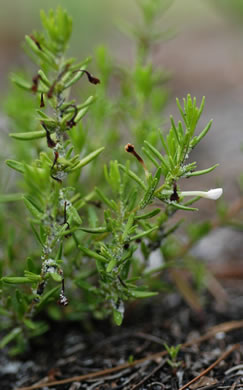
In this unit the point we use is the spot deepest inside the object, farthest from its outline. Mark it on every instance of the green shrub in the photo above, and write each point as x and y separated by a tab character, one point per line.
90	232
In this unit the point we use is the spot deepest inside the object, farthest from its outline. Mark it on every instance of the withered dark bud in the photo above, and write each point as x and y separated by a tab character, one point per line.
56	155
71	122
40	288
92	79
42	103
35	82
51	90
174	196
131	149
62	298
36	42
50	142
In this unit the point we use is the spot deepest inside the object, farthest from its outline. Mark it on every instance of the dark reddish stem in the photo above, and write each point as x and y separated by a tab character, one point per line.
51	144
91	78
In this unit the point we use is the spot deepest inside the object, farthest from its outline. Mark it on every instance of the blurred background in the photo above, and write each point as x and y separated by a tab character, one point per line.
204	55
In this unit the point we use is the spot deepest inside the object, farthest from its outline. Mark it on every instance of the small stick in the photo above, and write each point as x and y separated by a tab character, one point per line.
71	122
222	357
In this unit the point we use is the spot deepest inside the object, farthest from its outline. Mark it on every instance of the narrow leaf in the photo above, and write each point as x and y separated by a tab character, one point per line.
18	166
86	160
92	254
133	176
143	234
143	294
15	279
33	209
148	215
4	198
29	135
202	172
10	337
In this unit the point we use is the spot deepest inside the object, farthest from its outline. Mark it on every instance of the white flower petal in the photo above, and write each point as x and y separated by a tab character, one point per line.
215	193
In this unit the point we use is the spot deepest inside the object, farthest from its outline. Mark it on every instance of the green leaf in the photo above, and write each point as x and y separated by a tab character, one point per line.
86	160
173	126
103	197
20	82
30	264
133	176
18	166
128	226
55	276
33	209
10	337
28	136
150	156
44	56
202	172
111	265
143	234
151	189
29	324
96	230
46	297
118	317
44	78
37	235
4	198
143	294
15	279
156	154
81	114
181	206
92	254
33	278
5	313
148	215
73	215
197	139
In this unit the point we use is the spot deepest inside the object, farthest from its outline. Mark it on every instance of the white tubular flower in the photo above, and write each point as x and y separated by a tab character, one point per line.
214	194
